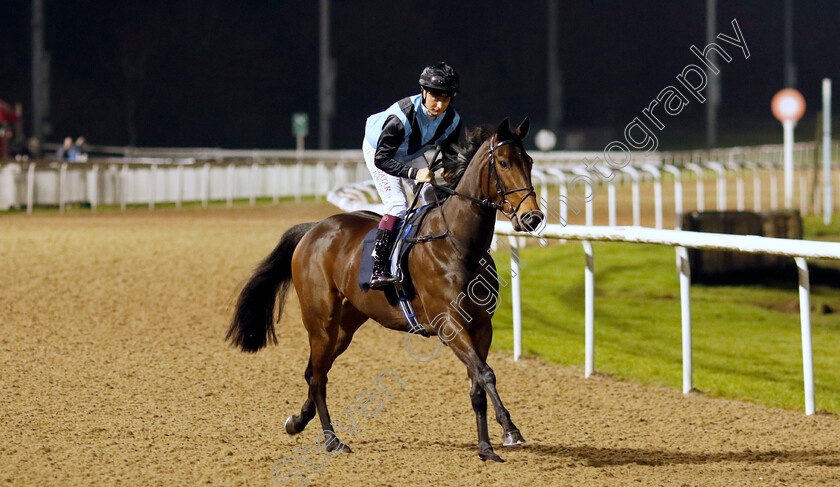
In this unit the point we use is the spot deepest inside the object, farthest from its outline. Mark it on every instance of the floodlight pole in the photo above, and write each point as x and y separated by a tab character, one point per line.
714	79
555	82
827	196
788	150
40	67
327	79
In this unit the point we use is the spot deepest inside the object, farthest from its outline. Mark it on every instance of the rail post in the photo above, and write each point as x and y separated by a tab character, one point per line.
678	194
589	312
805	322
657	191
701	196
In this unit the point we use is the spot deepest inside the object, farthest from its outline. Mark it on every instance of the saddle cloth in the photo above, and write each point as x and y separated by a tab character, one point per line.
399	256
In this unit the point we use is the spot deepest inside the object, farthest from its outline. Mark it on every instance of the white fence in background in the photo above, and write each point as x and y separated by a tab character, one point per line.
798	249
173	175
153	180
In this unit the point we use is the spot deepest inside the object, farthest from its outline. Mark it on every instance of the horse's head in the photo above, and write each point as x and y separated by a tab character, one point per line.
508	177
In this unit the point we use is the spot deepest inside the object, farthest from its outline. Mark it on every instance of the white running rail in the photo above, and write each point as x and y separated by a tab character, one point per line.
798	249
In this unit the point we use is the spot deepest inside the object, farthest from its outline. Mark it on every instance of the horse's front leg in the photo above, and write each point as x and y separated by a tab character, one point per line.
511	436
484	382
479	404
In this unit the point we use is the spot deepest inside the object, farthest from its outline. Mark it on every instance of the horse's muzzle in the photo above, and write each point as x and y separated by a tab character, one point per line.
529	222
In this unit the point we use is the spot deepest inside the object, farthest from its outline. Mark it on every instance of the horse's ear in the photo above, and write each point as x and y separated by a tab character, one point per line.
522	130
503	132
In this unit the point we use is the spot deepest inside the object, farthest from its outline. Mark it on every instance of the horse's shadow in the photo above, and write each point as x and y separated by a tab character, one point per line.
600	457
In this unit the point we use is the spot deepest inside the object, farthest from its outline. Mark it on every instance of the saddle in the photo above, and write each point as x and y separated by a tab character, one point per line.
399	254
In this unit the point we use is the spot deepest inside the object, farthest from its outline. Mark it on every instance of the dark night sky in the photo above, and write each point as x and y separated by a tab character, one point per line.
230	74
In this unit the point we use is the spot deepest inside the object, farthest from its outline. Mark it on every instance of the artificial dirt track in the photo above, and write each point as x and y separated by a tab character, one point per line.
114	372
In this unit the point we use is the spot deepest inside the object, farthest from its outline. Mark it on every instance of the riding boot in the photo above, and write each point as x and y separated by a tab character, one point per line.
382	277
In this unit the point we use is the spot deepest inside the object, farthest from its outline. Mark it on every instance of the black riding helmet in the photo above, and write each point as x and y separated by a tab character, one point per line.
439	79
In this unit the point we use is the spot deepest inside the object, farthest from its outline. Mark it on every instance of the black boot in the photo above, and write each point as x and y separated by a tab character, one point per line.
382	277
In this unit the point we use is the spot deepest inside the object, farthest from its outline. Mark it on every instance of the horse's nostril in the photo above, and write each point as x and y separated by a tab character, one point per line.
532	220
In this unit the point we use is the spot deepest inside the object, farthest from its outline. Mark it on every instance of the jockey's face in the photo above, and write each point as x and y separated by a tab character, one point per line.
436	104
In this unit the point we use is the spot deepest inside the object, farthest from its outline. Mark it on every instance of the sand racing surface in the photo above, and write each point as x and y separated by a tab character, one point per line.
114	372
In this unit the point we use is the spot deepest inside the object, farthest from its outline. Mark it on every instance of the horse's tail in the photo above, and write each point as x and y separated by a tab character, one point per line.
253	322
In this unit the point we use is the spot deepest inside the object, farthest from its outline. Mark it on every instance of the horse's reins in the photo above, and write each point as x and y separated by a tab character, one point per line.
486	202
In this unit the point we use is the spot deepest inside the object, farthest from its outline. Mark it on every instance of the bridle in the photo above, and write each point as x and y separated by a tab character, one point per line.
505	206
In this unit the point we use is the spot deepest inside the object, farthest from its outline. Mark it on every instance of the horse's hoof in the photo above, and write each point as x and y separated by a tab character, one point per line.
340	447
512	438
490	455
290	426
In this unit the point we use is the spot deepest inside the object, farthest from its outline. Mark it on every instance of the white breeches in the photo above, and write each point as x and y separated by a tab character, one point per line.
390	188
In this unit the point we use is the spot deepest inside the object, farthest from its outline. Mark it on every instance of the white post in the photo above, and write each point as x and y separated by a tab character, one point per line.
590	207
678	195
700	190
320	169
179	189
721	184
30	188
62	186
254	181
152	185
275	196
516	298
93	188
634	174
827	196
229	184
756	185
540	177
805	321
657	191
803	195
788	131
611	201
299	177
774	186
124	186
739	183
684	268
562	191
589	313
205	193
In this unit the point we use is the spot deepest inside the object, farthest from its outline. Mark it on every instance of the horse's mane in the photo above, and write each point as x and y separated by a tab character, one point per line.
454	165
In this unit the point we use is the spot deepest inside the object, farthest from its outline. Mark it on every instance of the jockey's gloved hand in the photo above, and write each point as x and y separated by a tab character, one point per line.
424	175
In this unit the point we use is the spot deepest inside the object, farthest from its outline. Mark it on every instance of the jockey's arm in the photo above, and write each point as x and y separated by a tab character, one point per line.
393	134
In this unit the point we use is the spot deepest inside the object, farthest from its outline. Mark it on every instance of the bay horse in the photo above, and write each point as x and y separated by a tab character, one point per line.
322	260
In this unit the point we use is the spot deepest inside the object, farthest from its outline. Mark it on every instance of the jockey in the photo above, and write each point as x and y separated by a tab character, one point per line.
395	141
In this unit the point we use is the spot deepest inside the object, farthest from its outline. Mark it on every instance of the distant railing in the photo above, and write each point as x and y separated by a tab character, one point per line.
129	175
170	178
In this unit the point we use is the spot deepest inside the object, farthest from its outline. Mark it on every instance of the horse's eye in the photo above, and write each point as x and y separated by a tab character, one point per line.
503	164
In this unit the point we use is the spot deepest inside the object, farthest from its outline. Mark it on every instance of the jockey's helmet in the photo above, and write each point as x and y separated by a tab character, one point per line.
439	79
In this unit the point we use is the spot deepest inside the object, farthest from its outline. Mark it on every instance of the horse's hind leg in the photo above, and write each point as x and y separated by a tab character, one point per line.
351	320
296	423
331	328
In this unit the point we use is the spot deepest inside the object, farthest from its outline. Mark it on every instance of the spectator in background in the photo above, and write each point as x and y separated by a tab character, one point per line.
78	151
63	152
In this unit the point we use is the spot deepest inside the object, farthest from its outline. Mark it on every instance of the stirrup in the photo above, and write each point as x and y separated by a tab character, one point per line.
382	282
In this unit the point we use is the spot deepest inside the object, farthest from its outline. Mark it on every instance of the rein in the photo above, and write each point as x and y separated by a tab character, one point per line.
505	206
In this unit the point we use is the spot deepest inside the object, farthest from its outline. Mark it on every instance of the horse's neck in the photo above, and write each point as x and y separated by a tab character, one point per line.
470	225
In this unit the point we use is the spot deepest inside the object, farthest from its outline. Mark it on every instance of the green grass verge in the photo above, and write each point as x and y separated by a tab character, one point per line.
746	339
